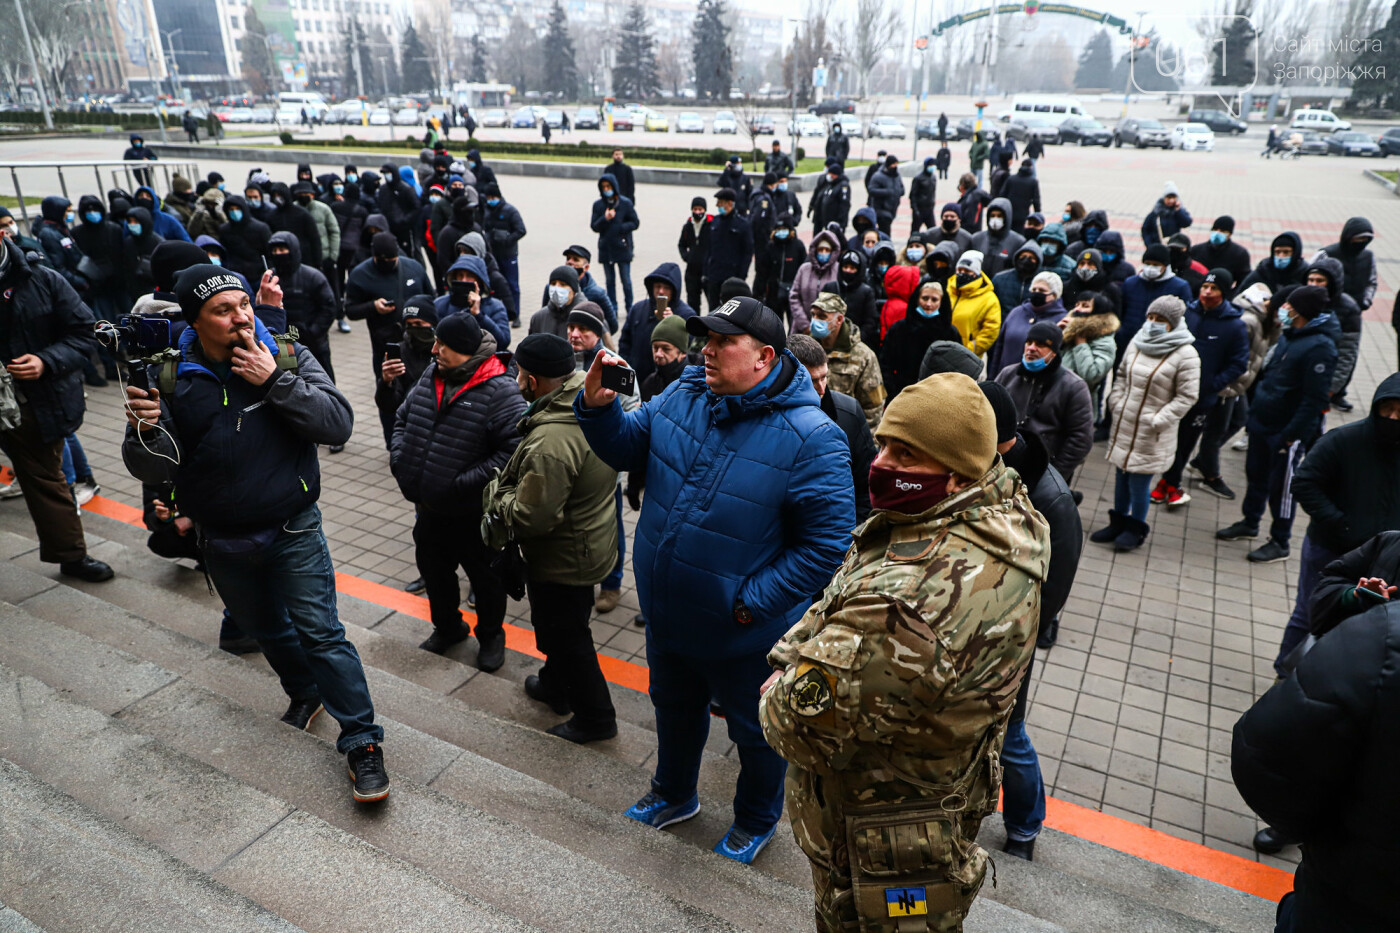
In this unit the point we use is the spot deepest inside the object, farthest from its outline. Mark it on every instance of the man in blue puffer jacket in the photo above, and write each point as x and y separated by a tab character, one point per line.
469	289
748	512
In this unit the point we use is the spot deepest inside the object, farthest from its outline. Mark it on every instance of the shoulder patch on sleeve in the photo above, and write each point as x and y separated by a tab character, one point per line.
811	693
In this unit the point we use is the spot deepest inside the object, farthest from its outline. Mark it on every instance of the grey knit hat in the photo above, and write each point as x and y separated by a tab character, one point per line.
1170	307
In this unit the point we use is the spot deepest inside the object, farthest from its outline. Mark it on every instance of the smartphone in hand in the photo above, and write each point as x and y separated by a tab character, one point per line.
392	351
621	379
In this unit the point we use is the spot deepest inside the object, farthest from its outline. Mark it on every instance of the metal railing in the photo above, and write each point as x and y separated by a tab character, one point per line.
120	174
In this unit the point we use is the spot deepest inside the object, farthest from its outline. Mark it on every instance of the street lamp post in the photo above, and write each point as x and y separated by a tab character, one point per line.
34	67
1132	56
174	63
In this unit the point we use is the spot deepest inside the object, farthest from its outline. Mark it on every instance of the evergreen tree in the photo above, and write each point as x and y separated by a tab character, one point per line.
714	63
1232	65
417	64
1096	62
1147	74
1377	83
477	74
560	69
357	43
636	73
258	66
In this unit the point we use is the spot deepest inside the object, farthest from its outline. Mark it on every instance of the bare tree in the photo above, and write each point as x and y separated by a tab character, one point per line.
673	63
55	28
877	26
812	44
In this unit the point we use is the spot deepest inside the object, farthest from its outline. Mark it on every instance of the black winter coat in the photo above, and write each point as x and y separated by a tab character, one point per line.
731	248
350	215
694	246
136	256
923	192
1334	598
443	454
850	418
40	313
1346	483
634	343
366	283
244	242
1023	191
306	293
1316	758
398	202
615	235
1358	264
831	202
626	181
1292	390
504	229
906	343
838	147
776	265
1229	255
102	243
861	307
294	219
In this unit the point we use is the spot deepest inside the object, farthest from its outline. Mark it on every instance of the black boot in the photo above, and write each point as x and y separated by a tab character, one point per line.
1049	633
1271	842
1134	533
492	651
444	638
1111	531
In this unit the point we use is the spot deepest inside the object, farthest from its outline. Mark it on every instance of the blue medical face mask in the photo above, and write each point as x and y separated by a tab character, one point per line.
821	329
721	210
782	186
1035	366
929	168
781	234
1282	262
93	217
216	261
134	229
1155	328
1064	217
1091	236
351	178
434	198
914	254
493	202
1110	257
338	189
235	215
69	218
1217	238
1285	317
221	186
823	256
926	314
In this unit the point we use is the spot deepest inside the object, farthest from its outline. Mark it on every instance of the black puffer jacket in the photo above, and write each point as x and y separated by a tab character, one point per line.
244	241
1228	255
443	454
1334	598
291	217
1295	273
102	243
1357	261
1316	758
45	316
850	418
306	294
1347	480
136	255
350	214
855	290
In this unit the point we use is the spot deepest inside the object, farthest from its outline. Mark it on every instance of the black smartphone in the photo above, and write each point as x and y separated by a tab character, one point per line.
621	379
391	351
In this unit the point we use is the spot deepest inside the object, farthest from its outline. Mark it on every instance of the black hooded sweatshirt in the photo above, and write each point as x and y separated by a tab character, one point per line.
859	297
1295	273
102	243
291	217
1357	261
244	241
136	254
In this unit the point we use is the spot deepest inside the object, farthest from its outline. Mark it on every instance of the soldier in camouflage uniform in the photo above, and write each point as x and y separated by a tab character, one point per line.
892	693
853	367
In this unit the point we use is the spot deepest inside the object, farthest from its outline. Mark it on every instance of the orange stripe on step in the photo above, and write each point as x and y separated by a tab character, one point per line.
1150	844
1164	849
616	671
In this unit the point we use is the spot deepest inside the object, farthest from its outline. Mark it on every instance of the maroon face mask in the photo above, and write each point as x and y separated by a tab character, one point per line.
910	493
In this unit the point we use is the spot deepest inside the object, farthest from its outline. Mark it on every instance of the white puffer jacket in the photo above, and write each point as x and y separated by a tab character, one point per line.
1150	396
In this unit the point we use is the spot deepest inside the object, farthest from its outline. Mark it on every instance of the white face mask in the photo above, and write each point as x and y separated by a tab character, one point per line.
1151	273
559	295
995	223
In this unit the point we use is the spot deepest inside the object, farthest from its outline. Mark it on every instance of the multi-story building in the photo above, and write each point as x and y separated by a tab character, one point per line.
312	32
119	49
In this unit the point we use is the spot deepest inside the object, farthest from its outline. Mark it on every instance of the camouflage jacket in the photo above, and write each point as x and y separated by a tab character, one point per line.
854	370
915	650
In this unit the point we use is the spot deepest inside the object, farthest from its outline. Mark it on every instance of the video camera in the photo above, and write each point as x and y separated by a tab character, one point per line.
138	341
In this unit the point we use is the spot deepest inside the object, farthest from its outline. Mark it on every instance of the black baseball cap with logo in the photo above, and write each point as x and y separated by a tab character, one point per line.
742	316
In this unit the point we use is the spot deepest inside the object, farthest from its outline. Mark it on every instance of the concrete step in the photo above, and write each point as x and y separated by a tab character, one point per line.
65	868
611	780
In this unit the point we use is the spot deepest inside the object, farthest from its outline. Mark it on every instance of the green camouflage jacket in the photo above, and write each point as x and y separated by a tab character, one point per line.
914	652
854	370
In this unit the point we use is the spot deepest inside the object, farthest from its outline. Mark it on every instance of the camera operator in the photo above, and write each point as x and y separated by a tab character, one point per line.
455	428
376	293
46	334
237	436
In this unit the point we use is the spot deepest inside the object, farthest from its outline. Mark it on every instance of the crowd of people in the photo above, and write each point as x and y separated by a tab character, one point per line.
853	461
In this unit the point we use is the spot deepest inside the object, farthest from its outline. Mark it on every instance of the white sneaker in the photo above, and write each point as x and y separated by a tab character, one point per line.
83	492
343	326
11	490
1241	444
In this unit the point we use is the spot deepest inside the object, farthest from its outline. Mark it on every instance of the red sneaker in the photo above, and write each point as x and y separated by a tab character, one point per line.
1159	492
1177	496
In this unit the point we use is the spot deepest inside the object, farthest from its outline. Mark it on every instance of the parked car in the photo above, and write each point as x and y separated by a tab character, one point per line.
238	115
807	125
381	116
1218	120
656	122
263	115
523	118
724	122
1309	142
1353	143
1086	131
1027	125
850	125
1389	141
886	128
494	117
587	118
408	116
989	132
555	118
689	122
834	105
1141	132
1193	136
622	119
762	123
1324	121
927	128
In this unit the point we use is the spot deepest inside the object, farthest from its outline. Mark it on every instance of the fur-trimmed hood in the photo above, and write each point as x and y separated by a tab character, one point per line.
1091	326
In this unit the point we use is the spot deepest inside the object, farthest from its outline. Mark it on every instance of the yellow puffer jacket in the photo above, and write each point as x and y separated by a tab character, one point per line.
976	313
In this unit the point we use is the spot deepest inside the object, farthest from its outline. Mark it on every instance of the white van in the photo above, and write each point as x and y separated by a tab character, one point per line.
1048	104
1319	121
291	103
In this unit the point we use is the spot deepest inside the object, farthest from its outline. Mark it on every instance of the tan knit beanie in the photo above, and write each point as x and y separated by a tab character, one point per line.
947	417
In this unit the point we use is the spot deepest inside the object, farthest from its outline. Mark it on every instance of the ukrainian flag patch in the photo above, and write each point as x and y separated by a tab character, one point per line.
906	902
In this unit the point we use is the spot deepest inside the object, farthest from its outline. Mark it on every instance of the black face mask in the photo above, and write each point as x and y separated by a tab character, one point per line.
966	278
698	216
939	270
950	226
148	205
386	265
304	200
1387	430
1039	299
848	279
462	292
420	338
283	265
1027	267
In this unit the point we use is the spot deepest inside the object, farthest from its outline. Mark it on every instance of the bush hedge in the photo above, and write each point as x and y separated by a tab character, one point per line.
565	151
134	121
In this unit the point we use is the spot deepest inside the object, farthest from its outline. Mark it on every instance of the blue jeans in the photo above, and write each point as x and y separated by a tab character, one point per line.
978	173
1022	788
75	464
1312	562
510	268
611	269
292	580
614	579
1130	494
681	689
1269	472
